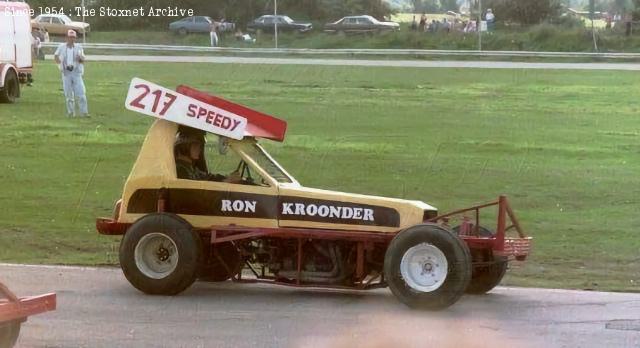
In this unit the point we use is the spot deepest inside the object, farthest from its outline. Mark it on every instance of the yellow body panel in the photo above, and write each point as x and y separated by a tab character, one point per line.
155	169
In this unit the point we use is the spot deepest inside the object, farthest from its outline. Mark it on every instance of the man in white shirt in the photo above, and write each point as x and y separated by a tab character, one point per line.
213	33
491	20
70	59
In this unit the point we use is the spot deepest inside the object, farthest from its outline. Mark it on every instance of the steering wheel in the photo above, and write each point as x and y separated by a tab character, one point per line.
242	175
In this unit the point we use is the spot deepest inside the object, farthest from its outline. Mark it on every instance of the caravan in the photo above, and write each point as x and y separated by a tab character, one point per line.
16	63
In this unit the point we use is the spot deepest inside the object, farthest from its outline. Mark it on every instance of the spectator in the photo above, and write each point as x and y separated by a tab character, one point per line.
70	59
627	23
491	19
433	27
608	20
213	33
446	25
470	27
423	22
244	37
414	24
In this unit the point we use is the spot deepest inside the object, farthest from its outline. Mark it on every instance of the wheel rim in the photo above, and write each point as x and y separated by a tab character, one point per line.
424	267
156	255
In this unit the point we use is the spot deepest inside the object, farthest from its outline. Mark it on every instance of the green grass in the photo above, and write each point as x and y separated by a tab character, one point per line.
544	37
562	144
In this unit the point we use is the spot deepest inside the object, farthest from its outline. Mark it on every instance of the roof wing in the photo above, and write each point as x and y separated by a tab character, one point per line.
259	124
154	100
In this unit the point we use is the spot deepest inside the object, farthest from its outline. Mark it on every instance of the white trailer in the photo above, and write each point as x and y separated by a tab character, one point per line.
16	64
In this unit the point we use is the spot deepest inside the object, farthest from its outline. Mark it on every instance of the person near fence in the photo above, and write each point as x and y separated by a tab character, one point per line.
627	23
213	33
70	59
490	17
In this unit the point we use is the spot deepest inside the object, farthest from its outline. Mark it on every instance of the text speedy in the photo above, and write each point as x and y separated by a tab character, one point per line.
212	117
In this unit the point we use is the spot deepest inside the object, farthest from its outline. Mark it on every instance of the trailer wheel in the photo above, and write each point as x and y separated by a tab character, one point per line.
427	267
9	333
11	90
160	254
485	278
223	263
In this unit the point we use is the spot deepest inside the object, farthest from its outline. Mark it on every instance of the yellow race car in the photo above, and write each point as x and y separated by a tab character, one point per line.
251	221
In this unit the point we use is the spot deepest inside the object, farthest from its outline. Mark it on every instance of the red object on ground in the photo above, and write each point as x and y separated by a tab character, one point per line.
259	125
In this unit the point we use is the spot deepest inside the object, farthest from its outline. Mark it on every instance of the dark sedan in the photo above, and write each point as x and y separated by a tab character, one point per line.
267	24
360	24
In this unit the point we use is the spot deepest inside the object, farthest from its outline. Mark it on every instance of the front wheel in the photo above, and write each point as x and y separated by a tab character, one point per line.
160	254
427	267
9	333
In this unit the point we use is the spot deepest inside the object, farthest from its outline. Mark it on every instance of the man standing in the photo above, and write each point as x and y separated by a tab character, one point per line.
491	20
70	59
213	33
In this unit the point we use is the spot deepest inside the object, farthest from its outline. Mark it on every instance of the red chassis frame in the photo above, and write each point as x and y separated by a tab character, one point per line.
14	308
517	248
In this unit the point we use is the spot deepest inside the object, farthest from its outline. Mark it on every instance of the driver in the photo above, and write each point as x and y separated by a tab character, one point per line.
188	151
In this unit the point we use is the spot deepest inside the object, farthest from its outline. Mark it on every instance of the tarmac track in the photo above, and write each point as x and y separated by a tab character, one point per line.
365	62
98	308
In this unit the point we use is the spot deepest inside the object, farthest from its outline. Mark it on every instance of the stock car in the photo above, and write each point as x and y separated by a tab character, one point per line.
267	23
360	24
264	226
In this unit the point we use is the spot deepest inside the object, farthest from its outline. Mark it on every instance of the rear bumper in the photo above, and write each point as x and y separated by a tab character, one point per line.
513	247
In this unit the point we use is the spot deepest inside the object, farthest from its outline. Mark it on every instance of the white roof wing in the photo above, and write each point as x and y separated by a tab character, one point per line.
154	100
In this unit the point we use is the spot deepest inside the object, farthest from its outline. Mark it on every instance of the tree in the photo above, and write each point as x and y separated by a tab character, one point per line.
526	12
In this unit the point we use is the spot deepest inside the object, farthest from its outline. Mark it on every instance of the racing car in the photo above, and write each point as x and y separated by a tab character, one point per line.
256	223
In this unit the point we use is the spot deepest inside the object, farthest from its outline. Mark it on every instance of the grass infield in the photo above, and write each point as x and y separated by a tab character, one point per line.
562	144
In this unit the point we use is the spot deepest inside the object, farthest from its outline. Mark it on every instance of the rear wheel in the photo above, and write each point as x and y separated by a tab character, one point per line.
9	333
11	90
487	276
182	31
160	254
427	267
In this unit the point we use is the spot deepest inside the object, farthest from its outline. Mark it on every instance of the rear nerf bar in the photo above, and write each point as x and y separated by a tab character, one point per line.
512	247
14	308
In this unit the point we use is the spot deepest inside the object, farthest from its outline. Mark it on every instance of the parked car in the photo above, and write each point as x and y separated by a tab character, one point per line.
360	24
57	24
285	23
198	24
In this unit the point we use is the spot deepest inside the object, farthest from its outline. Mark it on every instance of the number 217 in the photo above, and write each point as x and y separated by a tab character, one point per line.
158	94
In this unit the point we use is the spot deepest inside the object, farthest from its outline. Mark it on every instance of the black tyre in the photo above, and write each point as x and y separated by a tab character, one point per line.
160	254
183	31
427	267
11	90
223	262
487	276
9	333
